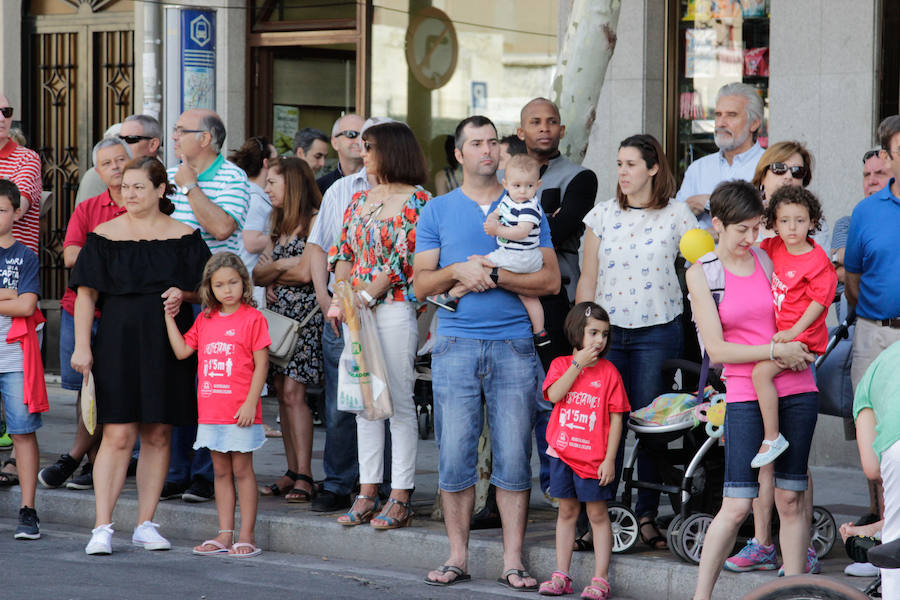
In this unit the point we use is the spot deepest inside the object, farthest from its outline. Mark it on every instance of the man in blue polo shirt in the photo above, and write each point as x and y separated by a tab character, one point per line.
485	347
871	259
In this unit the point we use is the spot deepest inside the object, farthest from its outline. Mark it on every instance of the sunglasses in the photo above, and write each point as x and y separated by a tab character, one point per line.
780	168
870	154
134	139
350	134
6	111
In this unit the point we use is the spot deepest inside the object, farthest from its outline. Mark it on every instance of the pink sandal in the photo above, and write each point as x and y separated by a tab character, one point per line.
598	590
560	583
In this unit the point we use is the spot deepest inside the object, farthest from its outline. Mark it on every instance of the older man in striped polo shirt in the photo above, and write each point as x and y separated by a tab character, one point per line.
23	167
213	195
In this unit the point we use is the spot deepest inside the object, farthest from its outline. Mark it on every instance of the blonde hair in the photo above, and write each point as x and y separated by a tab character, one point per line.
222	260
525	164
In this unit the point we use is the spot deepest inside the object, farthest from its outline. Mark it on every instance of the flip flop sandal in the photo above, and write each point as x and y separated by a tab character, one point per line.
461	576
253	552
275	490
559	584
523	574
219	548
356	517
9	479
299	495
598	590
391	522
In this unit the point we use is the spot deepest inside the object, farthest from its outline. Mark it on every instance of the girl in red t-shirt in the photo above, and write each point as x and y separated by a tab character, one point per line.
231	338
583	438
803	286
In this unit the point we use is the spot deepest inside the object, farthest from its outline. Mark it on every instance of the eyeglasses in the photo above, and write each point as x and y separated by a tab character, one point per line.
779	168
180	131
6	111
368	146
870	154
134	139
350	134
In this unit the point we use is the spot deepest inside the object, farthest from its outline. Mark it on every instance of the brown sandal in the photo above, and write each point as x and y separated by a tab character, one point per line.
356	517
391	522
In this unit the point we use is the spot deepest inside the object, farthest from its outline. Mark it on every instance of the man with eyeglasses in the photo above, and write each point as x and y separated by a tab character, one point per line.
212	194
739	116
346	142
23	167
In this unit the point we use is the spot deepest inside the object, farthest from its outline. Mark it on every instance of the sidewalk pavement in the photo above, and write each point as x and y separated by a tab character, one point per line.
293	528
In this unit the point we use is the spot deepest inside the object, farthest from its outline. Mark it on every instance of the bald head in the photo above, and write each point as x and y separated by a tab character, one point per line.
537	102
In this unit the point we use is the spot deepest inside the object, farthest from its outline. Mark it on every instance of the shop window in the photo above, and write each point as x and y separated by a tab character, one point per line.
719	42
302	14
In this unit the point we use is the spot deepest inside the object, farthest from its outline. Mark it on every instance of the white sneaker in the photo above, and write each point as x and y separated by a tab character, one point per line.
776	447
101	540
861	570
146	535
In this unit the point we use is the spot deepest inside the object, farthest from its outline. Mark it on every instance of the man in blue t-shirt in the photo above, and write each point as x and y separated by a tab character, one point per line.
872	280
485	347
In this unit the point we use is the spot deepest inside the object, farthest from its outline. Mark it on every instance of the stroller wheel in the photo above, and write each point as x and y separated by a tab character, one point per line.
692	533
426	424
673	536
624	527
824	531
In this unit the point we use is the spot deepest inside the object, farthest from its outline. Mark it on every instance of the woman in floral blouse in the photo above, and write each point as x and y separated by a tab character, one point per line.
630	247
375	253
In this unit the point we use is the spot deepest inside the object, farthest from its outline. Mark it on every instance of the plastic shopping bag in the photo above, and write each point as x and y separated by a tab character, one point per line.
362	375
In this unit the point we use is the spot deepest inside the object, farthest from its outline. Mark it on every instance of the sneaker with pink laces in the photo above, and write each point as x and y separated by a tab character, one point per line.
753	557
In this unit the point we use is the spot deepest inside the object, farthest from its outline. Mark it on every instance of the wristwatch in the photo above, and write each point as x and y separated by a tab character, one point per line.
495	275
185	189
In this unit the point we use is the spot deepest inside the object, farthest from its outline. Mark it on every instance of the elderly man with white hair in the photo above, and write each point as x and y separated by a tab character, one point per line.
739	116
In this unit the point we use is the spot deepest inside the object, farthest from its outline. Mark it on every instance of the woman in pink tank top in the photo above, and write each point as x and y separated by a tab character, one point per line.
737	333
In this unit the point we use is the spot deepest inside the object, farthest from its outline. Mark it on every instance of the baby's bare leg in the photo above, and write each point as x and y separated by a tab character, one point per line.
763	374
535	312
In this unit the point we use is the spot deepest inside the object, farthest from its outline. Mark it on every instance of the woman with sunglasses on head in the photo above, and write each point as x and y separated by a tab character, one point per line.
374	253
786	163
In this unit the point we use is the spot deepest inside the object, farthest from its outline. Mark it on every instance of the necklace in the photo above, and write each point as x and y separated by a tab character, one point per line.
373	211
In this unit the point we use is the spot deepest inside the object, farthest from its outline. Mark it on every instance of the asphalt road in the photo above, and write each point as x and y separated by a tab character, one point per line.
56	567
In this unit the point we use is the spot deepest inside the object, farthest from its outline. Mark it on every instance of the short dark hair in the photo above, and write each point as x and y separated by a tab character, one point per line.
576	321
887	129
662	186
11	191
474	121
400	158
513	145
735	201
791	194
305	137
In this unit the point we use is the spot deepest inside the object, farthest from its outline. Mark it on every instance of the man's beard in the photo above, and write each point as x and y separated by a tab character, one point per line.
729	143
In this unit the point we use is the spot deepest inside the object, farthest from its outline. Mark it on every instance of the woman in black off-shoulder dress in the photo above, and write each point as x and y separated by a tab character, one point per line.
130	268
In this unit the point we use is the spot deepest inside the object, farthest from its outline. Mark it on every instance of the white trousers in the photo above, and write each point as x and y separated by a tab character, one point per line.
890	475
399	338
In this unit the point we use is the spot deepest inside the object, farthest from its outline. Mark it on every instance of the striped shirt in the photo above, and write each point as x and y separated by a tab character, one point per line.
514	213
226	185
23	167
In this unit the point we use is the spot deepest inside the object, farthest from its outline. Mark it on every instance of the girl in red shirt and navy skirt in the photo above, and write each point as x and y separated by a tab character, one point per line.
583	438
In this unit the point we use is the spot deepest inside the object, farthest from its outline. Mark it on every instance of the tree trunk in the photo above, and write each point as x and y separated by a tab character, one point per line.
588	46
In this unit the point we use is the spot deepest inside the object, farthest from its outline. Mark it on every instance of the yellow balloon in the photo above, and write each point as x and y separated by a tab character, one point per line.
695	243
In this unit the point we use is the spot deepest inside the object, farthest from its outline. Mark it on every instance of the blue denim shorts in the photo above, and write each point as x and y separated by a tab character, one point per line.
18	420
70	378
230	437
565	483
797	417
462	369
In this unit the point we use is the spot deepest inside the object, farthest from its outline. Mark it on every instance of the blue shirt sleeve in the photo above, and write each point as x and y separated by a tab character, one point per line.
427	234
853	254
29	281
545	232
